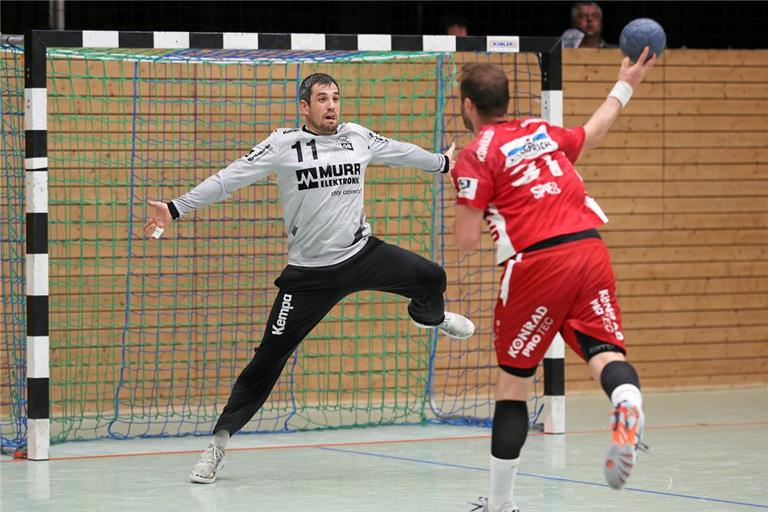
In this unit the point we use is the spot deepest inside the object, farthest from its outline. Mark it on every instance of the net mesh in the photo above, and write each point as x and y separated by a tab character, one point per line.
12	347
147	338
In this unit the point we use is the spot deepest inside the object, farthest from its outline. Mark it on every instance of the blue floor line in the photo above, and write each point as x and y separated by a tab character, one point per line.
547	477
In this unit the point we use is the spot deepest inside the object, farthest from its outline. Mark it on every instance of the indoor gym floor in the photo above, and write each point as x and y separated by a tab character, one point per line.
709	452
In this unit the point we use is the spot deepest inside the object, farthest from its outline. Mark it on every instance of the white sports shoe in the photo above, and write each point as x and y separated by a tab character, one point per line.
454	326
482	506
211	460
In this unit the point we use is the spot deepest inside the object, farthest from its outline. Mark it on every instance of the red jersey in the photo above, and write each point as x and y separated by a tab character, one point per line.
521	174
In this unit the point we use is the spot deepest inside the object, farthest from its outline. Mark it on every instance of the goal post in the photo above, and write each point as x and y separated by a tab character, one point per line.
376	361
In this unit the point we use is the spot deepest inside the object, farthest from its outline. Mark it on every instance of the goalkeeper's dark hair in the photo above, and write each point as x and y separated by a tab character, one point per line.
305	90
488	88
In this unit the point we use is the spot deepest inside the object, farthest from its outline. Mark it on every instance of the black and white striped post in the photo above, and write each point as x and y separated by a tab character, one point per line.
554	359
36	198
36	164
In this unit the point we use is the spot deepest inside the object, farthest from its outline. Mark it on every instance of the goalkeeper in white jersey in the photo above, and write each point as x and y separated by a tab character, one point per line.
320	172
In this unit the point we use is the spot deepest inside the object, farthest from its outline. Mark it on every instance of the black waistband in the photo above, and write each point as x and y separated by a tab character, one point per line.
563	239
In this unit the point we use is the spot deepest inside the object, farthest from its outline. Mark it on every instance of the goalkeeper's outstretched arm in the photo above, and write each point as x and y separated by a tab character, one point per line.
255	166
404	154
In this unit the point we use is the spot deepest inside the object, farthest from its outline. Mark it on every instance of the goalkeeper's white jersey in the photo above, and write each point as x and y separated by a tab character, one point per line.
320	178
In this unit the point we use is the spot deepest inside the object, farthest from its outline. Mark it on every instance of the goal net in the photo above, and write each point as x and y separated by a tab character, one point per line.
146	338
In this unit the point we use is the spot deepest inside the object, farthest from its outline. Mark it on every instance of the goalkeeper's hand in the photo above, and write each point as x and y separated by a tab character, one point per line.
157	223
449	154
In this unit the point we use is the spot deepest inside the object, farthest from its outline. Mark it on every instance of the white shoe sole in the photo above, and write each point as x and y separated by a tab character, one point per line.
450	335
198	479
619	463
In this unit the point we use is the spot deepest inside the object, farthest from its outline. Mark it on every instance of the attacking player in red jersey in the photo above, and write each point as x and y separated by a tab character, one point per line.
518	175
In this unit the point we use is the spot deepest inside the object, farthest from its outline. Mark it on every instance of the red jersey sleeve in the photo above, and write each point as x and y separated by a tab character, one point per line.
472	180
569	140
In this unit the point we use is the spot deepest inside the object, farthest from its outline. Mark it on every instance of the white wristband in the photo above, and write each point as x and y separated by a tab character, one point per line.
622	91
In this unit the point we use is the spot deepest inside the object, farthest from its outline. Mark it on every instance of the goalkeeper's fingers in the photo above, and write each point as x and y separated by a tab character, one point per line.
154	228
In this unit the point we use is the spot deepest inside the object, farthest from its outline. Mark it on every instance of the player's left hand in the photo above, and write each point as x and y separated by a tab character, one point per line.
634	73
449	154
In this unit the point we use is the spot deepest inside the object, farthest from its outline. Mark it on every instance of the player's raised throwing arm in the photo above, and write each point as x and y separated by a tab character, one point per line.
255	166
630	76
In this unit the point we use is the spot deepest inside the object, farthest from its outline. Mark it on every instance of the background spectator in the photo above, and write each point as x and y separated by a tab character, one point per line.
455	25
586	17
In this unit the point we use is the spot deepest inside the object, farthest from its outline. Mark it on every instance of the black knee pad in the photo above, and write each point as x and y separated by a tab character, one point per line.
616	373
510	428
519	372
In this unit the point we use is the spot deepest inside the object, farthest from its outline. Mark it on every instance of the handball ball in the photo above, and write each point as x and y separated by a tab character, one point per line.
638	34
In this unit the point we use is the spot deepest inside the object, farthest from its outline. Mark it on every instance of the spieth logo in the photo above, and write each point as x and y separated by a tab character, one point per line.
531	334
603	309
278	327
529	147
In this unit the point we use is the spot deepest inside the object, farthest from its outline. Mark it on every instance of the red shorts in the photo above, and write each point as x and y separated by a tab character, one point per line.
566	288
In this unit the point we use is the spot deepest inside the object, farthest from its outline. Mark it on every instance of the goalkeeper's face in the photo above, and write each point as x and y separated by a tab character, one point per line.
322	111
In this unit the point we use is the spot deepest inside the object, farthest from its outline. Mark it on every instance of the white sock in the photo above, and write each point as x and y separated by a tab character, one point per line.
627	393
503	473
220	439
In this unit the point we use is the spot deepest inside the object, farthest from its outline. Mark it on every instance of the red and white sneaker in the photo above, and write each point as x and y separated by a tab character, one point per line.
627	430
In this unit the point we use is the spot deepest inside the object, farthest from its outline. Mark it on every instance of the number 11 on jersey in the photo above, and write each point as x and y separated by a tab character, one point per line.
311	144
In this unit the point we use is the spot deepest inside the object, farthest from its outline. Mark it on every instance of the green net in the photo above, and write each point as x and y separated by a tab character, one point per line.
12	303
147	338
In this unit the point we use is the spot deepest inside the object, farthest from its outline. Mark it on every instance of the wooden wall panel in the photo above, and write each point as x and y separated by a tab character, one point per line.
683	176
691	275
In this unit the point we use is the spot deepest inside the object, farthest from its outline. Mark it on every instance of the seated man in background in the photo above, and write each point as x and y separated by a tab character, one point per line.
586	27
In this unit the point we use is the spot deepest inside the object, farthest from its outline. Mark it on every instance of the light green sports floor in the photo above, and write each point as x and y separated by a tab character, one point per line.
709	452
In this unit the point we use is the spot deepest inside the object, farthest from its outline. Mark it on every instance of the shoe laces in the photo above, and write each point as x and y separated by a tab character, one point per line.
623	409
481	505
213	454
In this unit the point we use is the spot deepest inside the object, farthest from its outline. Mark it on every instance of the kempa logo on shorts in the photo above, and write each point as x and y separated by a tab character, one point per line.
531	334
278	327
